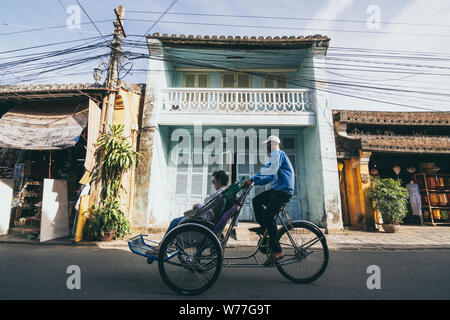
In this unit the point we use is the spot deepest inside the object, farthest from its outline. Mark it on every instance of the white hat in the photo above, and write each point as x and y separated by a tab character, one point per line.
272	139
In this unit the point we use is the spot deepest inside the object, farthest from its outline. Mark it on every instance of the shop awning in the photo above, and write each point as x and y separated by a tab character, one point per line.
43	127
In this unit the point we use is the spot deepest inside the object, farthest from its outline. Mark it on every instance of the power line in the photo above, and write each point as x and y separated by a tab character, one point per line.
291	28
346	86
46	55
65	11
317	80
201	63
60	66
361	63
40	28
351	49
288	18
91	21
335	48
160	17
46	45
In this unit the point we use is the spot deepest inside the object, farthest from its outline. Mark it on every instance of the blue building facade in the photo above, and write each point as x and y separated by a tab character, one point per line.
210	102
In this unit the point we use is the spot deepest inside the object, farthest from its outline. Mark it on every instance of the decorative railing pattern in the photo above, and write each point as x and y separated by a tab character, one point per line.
221	100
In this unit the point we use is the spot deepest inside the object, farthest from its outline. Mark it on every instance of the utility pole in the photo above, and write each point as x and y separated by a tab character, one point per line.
106	118
113	72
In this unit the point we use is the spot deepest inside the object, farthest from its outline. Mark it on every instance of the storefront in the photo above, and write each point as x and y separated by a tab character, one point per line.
47	153
31	172
44	152
43	156
411	146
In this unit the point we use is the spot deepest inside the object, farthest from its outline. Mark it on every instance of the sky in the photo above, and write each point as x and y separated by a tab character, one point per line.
400	45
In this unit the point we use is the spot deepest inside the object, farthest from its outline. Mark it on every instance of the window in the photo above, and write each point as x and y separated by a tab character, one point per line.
235	80
237	100
196	80
275	80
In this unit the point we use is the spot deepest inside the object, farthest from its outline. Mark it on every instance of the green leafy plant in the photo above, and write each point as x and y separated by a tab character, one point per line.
390	199
117	157
108	217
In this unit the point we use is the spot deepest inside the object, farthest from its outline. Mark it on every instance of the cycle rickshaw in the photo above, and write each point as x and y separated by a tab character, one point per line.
191	255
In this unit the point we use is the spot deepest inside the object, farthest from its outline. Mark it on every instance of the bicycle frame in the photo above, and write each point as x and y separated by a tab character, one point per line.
138	245
227	260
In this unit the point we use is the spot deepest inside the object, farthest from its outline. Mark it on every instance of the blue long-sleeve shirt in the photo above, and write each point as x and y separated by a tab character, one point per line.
279	171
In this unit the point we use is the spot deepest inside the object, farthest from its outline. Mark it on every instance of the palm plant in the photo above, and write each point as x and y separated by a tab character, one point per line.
117	156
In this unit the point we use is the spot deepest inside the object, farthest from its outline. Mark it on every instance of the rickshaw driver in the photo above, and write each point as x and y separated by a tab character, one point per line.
280	172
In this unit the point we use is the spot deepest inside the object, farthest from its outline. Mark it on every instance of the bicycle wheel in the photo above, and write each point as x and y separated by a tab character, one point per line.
190	259
306	252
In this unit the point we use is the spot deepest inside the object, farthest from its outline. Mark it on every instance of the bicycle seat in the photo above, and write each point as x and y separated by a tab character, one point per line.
285	202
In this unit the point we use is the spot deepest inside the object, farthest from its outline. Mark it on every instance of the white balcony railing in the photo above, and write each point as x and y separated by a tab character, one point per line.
221	100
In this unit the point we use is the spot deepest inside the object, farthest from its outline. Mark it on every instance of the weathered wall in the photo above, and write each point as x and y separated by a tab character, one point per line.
320	151
157	79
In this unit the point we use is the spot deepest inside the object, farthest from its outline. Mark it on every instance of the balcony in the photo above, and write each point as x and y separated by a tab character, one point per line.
250	104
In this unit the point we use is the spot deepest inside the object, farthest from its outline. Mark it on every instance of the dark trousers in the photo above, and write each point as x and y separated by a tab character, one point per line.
272	200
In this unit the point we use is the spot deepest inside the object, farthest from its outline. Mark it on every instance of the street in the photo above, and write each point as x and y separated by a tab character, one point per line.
40	272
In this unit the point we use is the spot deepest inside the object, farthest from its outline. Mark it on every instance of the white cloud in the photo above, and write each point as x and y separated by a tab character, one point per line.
421	12
331	11
425	15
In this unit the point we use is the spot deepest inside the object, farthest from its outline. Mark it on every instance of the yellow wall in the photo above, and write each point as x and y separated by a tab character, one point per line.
355	183
126	112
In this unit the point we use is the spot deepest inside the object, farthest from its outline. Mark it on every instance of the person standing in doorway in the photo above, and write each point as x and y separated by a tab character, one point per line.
266	205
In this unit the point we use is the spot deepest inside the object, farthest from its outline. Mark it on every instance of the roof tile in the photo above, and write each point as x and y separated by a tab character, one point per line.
248	40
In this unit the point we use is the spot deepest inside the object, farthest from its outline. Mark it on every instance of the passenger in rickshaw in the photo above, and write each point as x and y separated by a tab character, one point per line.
219	181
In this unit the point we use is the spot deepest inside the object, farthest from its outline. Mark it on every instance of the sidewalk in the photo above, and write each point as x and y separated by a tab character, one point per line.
408	238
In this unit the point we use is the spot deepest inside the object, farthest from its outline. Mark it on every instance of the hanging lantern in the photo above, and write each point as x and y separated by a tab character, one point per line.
396	170
411	169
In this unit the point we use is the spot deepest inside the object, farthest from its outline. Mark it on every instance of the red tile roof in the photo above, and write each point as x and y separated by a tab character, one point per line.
392	118
284	41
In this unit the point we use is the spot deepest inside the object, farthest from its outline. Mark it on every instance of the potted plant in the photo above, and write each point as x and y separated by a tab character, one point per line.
107	221
390	199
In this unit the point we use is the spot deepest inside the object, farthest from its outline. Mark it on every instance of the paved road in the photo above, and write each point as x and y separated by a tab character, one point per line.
39	272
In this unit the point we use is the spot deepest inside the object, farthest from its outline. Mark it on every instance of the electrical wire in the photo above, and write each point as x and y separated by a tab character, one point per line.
160	17
362	32
340	57
46	45
289	18
92	21
40	28
201	63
